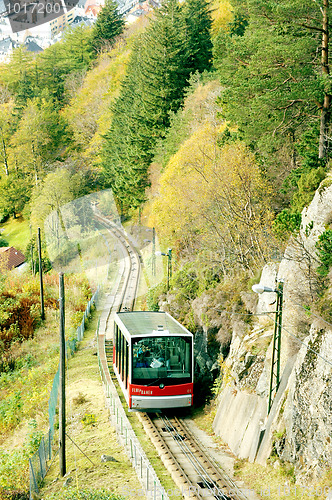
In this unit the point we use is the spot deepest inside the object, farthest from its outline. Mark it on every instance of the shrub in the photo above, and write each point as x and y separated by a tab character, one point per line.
33	439
185	282
286	223
10	411
307	185
13	475
3	242
153	296
324	248
89	419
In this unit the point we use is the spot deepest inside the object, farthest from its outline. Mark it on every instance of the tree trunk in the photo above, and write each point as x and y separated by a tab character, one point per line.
325	70
5	156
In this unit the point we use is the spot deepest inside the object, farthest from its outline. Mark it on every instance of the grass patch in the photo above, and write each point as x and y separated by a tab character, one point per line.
94	436
16	232
276	482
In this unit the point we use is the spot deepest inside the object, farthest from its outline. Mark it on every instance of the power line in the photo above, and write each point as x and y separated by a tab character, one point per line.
245	314
308	311
309	348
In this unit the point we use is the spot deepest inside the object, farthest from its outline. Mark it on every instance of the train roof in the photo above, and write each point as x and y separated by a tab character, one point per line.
149	322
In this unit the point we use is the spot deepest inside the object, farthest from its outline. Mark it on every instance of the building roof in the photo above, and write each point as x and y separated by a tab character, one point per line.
32	46
94	9
7	44
81	20
149	322
10	257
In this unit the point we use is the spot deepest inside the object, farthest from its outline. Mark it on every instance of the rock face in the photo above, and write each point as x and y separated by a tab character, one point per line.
308	407
299	426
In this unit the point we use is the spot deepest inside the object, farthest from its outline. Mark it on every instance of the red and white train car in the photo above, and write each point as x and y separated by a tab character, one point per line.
153	360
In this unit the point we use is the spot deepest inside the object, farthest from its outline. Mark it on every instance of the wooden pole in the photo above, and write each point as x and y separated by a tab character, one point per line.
62	374
42	310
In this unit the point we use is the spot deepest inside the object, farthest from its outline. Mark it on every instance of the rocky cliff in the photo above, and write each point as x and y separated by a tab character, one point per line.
298	428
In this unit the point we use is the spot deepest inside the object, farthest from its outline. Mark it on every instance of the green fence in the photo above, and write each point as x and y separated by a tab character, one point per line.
39	462
128	439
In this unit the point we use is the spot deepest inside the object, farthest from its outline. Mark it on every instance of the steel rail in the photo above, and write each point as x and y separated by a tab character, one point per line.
223	475
202	473
131	277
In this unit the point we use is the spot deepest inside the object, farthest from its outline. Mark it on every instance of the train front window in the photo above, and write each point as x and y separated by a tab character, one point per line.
162	359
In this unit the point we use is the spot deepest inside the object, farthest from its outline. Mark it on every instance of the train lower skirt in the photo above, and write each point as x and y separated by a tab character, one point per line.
160	402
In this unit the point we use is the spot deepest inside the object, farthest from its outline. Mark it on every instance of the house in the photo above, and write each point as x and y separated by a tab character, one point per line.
10	258
32	46
82	20
92	11
6	49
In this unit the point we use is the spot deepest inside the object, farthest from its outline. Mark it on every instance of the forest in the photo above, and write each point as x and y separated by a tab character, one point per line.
196	93
209	121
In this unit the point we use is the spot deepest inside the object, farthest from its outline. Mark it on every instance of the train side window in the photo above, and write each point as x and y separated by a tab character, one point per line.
126	365
116	333
121	355
123	350
118	349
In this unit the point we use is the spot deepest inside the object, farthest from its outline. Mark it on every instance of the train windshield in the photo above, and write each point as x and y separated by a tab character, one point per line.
161	359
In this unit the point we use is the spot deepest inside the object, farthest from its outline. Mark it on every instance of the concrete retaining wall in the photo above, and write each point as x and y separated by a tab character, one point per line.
239	420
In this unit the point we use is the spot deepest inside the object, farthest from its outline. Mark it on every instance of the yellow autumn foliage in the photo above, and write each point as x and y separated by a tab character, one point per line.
222	15
89	113
214	197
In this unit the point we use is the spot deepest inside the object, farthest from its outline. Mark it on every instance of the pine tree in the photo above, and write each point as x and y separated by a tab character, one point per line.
162	59
108	26
127	148
198	22
276	74
165	69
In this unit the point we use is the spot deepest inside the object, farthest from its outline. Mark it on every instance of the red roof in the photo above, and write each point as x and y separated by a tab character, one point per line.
10	257
94	9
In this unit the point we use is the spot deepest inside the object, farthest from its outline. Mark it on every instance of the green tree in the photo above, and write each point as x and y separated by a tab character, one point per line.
286	223
153	90
108	26
14	193
39	138
324	248
199	24
6	129
165	65
12	74
76	51
276	83
51	73
54	192
127	148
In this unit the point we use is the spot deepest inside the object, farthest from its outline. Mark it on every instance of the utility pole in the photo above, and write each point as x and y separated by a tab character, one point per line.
62	376
42	310
276	352
153	251
169	266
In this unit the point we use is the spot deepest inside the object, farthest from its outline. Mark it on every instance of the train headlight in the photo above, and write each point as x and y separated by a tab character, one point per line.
161	386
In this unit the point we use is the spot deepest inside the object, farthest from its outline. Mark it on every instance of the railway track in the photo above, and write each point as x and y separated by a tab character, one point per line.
126	287
194	473
192	470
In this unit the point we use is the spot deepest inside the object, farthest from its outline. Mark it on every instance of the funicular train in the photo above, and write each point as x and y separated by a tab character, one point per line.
153	360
